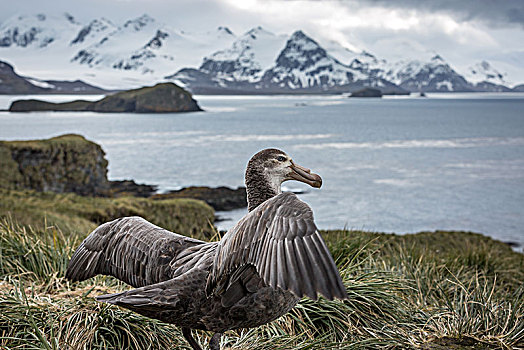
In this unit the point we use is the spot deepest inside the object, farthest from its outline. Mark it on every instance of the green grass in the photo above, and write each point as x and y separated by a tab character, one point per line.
79	215
440	290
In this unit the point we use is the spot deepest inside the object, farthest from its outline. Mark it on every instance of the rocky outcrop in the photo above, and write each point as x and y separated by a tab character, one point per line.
220	198
161	98
122	188
67	163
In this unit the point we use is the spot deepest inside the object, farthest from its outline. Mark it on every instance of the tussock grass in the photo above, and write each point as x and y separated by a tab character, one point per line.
441	290
78	215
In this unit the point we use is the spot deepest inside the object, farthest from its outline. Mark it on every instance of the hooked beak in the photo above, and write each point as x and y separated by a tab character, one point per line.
302	174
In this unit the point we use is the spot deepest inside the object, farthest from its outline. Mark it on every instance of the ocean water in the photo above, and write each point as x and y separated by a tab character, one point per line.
390	165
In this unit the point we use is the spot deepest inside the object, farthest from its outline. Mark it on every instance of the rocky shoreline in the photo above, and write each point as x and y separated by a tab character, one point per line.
71	164
219	198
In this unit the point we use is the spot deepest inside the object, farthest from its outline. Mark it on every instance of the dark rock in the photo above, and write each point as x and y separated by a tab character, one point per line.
156	42
123	188
220	198
512	244
367	92
161	98
67	163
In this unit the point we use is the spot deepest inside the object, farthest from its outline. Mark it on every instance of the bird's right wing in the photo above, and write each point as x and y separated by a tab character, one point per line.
131	249
279	242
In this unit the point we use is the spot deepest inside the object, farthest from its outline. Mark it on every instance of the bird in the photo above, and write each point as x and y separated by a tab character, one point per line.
257	272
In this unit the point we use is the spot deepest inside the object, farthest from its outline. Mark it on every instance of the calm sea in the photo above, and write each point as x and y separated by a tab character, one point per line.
390	165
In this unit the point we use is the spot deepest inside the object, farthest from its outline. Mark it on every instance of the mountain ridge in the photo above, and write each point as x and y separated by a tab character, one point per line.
13	84
143	50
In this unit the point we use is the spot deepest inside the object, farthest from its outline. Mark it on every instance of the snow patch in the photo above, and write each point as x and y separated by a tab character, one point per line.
445	84
41	84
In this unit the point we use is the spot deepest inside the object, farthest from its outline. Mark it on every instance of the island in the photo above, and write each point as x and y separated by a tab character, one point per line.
367	92
161	98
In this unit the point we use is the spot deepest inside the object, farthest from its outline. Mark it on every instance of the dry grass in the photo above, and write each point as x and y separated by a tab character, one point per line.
437	290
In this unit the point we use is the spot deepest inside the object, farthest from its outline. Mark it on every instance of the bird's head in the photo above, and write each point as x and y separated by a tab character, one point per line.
276	167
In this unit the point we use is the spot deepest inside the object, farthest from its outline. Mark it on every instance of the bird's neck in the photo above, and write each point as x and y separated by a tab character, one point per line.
259	188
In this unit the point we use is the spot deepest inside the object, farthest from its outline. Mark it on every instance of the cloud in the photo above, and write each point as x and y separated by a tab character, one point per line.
494	13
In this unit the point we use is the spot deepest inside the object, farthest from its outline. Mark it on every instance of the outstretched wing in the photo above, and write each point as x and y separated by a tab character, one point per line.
131	249
280	239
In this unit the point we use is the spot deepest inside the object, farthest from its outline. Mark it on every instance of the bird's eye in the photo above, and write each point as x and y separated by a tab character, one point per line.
281	158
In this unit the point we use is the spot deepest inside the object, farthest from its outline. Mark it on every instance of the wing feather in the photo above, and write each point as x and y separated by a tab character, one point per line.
282	264
280	239
309	285
130	249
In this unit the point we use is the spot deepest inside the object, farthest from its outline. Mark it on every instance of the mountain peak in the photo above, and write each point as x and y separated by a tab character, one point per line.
437	59
225	30
254	32
300	41
301	52
139	22
299	34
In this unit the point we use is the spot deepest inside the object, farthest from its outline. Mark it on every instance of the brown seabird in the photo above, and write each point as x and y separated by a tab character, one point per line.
256	273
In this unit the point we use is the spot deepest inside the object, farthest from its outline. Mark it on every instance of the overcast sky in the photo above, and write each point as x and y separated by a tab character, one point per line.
462	31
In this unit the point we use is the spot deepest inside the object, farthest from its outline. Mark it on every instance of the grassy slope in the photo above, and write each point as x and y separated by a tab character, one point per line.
442	290
79	215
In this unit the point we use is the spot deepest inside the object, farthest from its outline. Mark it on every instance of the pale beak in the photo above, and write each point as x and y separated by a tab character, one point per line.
302	174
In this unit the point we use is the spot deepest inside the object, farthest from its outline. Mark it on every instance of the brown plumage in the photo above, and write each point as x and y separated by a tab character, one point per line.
258	271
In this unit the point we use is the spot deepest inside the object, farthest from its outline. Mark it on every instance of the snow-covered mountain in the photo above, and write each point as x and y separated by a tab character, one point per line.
146	46
483	71
247	57
138	52
142	51
262	62
38	31
485	77
435	75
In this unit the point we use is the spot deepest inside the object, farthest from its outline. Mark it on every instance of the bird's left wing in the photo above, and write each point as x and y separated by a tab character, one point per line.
281	241
131	249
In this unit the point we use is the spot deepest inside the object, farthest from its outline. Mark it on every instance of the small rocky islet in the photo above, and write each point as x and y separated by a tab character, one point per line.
161	98
367	92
